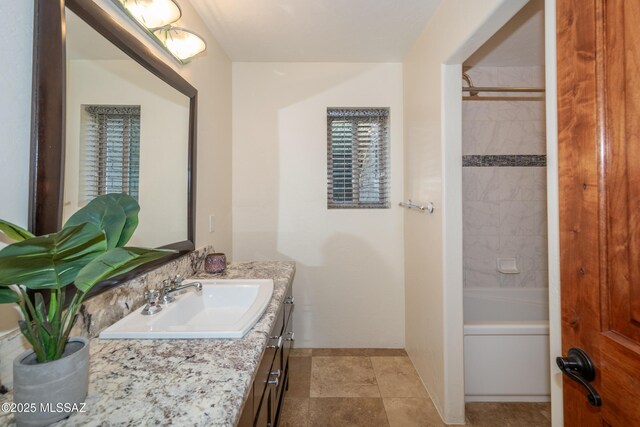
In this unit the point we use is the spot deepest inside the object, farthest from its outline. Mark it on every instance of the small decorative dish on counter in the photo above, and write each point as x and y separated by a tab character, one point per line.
207	308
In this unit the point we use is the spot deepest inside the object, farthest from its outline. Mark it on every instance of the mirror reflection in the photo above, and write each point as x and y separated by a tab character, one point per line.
126	131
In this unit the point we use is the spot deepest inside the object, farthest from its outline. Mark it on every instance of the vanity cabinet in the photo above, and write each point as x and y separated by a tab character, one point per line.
246	418
264	402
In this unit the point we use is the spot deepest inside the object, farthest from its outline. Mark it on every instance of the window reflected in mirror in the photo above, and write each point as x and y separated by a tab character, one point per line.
110	147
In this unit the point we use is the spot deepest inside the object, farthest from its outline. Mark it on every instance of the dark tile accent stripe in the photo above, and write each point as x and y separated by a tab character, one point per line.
521	160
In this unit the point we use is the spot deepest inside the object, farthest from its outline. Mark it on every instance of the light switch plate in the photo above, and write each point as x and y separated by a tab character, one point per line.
211	223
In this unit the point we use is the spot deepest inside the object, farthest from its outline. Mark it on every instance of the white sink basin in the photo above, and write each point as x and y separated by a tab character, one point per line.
224	309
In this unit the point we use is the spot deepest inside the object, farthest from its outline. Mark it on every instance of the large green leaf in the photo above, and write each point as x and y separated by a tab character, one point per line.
51	261
115	262
131	209
106	214
14	232
7	295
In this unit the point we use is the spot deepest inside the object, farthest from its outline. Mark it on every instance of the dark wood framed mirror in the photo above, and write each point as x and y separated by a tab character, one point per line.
49	120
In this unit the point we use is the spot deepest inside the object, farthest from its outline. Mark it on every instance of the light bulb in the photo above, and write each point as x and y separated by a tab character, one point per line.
182	43
153	13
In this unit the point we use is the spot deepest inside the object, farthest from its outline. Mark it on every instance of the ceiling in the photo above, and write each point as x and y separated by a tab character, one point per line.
519	43
316	30
331	31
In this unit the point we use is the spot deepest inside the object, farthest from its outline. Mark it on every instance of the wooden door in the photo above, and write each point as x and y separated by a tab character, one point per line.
598	45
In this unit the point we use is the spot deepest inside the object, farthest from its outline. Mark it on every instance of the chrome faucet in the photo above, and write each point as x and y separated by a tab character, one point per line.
175	286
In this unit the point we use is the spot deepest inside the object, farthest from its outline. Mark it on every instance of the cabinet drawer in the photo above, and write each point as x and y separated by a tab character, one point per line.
274	343
288	333
288	341
263	418
276	382
289	303
271	377
246	418
262	376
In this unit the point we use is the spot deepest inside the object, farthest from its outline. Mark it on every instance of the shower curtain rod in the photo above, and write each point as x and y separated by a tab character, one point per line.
502	89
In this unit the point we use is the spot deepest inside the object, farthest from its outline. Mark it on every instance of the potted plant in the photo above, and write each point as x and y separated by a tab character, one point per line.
53	376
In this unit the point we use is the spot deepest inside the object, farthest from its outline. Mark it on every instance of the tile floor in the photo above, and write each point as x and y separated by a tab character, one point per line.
379	387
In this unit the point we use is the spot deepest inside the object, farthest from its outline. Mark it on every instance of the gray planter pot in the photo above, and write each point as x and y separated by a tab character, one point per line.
51	388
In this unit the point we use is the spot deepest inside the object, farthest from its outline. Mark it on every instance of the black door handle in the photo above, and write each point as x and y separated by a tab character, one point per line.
579	367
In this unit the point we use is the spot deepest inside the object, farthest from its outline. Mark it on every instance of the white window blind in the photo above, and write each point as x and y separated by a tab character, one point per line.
357	157
111	160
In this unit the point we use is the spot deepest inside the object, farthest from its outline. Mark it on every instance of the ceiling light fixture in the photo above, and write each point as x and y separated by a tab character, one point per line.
153	13
182	43
157	17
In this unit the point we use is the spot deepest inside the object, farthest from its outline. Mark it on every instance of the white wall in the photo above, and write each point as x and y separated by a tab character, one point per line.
15	110
349	283
164	131
15	122
433	150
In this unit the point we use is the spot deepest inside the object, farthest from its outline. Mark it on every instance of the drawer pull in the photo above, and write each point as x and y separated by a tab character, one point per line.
291	336
275	373
275	382
278	344
290	300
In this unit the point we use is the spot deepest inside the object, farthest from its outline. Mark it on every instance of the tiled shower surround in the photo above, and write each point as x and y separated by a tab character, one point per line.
504	184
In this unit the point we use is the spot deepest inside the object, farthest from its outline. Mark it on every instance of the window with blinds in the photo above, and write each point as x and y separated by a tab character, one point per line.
358	157
111	146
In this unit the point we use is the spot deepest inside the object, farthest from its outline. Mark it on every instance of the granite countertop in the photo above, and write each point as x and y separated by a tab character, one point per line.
199	382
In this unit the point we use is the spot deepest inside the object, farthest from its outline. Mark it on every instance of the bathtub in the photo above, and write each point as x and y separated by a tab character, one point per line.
506	345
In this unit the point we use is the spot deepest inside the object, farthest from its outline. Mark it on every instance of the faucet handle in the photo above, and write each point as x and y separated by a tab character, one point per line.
177	280
152	297
153	306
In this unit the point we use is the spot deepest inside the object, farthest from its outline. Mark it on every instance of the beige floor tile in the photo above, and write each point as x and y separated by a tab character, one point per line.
412	412
359	352
300	352
347	376
340	352
295	412
397	377
299	377
347	412
508	414
346	387
387	352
